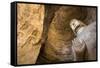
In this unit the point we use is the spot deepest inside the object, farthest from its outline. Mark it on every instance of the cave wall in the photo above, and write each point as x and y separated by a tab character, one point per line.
44	34
29	32
58	34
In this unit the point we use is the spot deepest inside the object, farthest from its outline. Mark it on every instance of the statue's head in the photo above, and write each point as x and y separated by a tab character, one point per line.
76	24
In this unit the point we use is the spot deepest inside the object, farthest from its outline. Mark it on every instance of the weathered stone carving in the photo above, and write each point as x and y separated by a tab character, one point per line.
44	34
58	44
84	45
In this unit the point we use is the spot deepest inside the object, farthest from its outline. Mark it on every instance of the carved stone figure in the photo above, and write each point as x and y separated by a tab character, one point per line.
84	44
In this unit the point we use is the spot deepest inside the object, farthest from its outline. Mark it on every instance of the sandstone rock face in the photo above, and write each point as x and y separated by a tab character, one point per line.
58	44
91	16
44	34
29	32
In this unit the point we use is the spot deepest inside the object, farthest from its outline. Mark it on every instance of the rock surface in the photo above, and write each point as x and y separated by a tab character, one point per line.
58	45
59	36
29	32
44	33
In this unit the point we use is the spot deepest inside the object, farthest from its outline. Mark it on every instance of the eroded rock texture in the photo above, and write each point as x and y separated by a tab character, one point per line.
29	32
58	45
44	33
